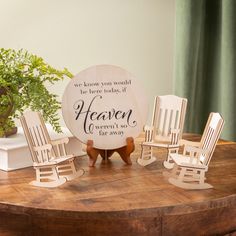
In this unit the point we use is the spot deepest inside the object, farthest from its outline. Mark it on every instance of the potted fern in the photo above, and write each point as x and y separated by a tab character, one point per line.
22	85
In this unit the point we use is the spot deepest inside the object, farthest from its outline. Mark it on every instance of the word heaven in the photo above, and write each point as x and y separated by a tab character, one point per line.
90	115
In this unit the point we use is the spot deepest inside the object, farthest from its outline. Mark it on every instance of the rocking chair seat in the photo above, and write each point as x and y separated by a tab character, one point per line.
55	161
161	144
187	161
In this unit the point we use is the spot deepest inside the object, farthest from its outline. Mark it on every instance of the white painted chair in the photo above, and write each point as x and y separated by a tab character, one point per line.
52	164
190	168
166	130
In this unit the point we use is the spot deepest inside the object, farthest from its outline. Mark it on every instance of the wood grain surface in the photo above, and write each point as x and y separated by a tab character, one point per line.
117	199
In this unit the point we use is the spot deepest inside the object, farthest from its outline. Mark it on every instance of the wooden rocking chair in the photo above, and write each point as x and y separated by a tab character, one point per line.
190	168
166	130
52	164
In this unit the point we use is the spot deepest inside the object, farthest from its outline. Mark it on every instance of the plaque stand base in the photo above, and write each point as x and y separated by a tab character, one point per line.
124	152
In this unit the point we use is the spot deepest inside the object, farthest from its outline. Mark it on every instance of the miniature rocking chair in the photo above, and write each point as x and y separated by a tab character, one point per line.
52	164
190	168
166	130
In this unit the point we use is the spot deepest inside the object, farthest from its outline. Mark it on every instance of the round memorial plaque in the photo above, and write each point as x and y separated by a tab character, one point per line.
105	104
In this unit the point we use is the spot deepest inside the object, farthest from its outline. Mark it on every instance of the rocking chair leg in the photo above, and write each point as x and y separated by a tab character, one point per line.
146	156
169	163
179	181
47	175
69	167
75	173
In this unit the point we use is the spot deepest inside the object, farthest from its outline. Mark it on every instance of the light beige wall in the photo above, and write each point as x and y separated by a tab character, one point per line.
135	34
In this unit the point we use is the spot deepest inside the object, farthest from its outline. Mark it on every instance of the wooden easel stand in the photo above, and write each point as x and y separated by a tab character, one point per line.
124	152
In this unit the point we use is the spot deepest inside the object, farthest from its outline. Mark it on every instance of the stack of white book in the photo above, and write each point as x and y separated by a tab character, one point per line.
15	154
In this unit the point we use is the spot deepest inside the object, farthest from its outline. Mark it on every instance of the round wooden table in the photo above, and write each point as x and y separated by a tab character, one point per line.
116	199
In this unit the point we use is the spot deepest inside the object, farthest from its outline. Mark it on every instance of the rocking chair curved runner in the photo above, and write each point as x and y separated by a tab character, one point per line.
52	164
190	168
166	130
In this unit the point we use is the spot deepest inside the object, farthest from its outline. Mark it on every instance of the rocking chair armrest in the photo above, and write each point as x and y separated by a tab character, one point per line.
43	148
189	148
148	133
174	131
60	141
148	128
174	136
195	152
189	143
192	150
